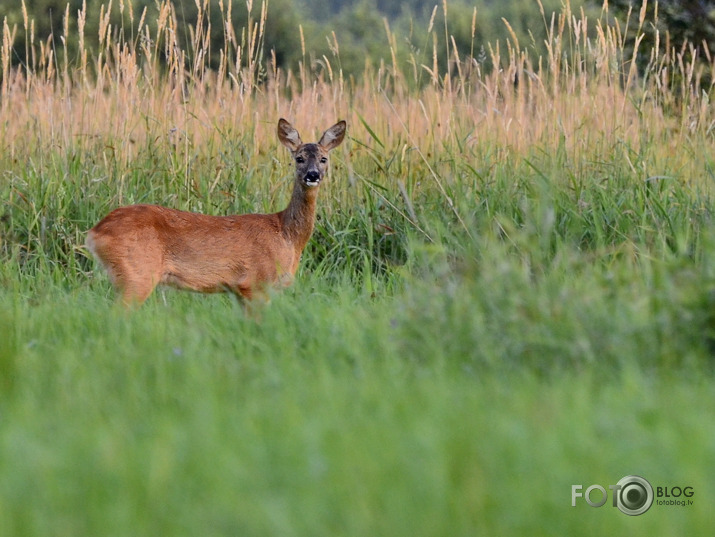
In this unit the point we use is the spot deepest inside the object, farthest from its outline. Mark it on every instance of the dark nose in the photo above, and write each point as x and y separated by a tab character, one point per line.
312	177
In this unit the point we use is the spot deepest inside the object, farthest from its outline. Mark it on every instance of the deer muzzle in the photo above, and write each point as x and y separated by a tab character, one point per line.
312	178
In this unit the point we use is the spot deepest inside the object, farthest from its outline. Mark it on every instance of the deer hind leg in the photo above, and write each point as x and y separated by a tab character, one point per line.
133	282
134	269
136	280
134	292
132	288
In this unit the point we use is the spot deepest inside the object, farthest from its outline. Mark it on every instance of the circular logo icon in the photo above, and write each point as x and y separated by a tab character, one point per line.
635	495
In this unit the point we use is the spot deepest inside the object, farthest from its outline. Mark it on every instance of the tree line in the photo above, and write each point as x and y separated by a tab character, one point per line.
346	31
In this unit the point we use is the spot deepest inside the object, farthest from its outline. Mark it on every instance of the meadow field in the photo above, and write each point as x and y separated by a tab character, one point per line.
510	290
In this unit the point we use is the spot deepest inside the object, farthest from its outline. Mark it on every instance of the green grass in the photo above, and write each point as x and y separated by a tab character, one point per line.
336	414
462	392
560	333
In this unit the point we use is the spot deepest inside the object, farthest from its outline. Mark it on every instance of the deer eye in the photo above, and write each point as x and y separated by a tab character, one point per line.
299	160
323	160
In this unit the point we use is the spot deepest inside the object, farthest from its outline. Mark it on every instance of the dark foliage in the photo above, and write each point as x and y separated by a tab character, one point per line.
680	23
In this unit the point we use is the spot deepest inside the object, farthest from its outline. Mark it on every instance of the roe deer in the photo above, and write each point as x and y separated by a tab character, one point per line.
141	246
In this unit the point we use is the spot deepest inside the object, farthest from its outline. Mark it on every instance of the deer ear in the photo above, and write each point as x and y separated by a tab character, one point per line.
288	136
334	136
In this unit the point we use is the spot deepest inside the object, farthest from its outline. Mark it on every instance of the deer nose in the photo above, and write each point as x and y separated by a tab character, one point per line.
312	178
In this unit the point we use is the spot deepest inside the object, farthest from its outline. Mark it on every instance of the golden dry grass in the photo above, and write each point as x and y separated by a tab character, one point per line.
583	95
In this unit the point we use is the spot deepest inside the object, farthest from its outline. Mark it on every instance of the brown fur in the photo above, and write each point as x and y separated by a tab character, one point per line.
142	246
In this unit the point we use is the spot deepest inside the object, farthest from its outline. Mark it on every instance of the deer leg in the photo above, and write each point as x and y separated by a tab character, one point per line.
134	292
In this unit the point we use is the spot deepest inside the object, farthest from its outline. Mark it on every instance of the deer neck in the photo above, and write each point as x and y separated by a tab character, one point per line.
298	218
